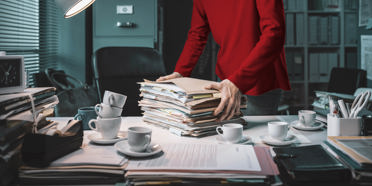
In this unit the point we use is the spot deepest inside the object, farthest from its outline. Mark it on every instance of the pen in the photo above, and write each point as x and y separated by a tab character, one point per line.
343	109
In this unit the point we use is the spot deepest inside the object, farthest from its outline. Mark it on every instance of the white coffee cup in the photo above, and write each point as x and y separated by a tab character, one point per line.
306	117
278	129
231	132
107	127
114	99
139	138
106	111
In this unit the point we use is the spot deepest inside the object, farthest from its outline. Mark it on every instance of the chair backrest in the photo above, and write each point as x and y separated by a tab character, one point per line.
345	80
118	69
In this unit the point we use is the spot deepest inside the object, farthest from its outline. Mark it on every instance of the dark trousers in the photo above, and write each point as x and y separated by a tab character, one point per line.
265	104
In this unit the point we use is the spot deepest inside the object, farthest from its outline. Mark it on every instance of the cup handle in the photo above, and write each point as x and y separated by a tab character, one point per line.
97	108
78	117
111	100
90	124
148	140
219	128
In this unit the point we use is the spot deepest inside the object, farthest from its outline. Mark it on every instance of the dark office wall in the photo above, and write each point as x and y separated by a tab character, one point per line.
71	53
177	18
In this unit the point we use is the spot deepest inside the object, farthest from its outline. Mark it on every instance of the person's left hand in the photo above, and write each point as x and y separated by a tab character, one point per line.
230	99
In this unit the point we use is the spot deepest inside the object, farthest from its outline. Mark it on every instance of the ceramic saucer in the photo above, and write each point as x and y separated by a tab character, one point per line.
245	139
271	141
123	147
96	138
315	126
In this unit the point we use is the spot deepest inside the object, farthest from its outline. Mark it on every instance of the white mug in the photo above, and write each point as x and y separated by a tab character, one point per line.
107	127
139	138
114	99
106	111
231	132
306	117
278	129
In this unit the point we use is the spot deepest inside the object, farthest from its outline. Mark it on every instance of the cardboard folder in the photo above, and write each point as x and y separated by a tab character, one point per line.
189	86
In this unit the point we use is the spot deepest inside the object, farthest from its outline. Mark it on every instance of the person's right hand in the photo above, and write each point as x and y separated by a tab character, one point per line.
170	76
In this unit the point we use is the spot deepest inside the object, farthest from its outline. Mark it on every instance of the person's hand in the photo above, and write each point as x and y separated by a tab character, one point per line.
230	99
170	76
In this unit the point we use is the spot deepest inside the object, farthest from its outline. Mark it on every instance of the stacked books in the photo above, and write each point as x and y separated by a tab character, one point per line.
182	105
356	153
89	165
210	164
16	119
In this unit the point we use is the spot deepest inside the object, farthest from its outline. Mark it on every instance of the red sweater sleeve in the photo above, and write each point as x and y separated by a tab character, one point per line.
267	49
196	40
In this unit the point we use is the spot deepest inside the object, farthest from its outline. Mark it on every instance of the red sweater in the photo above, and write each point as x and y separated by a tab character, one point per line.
250	34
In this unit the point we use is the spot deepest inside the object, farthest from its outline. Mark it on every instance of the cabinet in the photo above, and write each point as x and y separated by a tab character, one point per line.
320	35
125	23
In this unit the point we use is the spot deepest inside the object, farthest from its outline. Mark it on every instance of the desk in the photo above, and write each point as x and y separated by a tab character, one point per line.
257	126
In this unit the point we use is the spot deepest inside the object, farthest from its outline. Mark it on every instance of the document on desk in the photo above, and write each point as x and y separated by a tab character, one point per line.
201	157
92	155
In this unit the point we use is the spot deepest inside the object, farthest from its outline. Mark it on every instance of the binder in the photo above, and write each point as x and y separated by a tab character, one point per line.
290	40
300	29
323	67
323	30
334	30
314	70
310	164
313	29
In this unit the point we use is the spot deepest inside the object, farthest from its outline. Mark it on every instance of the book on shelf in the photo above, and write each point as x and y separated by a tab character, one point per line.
290	29
300	28
351	35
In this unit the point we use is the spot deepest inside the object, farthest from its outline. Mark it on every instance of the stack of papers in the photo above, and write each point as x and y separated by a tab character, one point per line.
16	119
204	163
182	105
356	153
88	165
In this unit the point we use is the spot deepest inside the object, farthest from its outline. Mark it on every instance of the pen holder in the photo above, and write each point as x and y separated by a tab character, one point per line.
343	126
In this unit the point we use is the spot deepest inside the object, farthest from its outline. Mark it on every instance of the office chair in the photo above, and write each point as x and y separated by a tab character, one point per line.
346	80
118	69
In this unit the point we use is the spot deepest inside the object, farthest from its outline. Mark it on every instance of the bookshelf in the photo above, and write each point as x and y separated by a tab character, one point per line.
321	34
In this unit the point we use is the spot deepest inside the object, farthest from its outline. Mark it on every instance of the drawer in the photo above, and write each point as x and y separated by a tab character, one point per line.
137	17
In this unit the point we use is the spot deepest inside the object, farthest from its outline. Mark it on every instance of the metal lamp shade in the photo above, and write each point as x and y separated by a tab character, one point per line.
73	7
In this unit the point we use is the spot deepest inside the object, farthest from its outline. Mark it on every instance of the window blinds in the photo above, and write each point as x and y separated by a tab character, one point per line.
28	28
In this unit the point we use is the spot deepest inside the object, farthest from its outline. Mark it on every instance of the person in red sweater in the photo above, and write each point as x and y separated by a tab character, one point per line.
251	58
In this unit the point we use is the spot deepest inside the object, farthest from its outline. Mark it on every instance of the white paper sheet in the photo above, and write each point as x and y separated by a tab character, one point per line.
365	11
230	157
92	155
366	54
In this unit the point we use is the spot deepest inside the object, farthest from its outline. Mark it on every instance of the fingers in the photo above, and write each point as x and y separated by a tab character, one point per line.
229	111
216	86
170	76
220	106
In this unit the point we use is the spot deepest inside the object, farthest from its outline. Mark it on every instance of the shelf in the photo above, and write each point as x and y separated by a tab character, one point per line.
296	81
323	11
294	46
351	11
294	11
351	45
324	46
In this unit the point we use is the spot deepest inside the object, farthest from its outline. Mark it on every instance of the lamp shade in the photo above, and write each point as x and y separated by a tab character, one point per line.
73	7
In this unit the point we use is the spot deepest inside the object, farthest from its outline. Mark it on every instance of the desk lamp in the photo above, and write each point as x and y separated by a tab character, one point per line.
73	7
